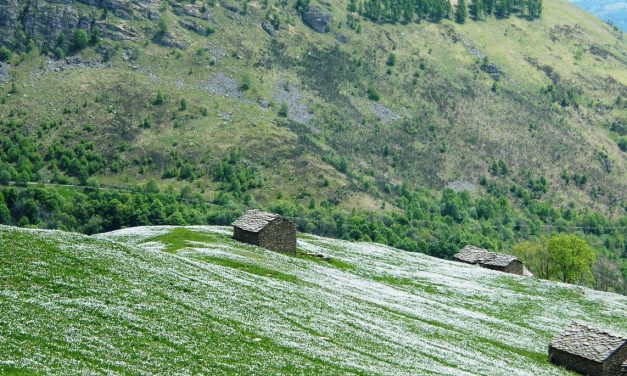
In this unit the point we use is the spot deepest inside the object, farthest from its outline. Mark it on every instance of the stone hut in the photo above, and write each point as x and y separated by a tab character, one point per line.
491	260
266	230
589	351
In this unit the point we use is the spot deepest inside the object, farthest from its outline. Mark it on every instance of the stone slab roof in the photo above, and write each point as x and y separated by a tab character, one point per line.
476	255
588	342
254	220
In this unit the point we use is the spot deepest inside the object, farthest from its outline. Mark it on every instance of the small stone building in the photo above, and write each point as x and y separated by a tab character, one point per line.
589	351
491	260
266	230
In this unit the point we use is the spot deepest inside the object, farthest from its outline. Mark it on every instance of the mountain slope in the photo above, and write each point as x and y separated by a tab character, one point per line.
191	300
553	112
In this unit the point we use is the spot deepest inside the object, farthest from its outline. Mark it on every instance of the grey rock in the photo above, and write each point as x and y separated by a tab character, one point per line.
153	16
8	20
123	14
194	26
191	11
461	186
93	3
492	70
317	19
117	32
230	6
168	40
267	26
382	112
44	21
289	93
4	72
342	38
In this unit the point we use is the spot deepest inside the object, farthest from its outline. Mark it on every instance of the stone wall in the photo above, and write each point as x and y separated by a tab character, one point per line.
576	363
614	363
245	236
514	267
279	235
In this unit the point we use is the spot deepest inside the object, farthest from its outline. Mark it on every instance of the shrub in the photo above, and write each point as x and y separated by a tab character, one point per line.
159	99
373	94
58	53
79	40
162	26
283	111
5	54
247	81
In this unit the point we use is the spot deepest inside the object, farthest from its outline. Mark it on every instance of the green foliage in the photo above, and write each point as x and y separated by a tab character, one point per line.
5	53
80	40
235	176
301	5
58	53
622	143
373	94
162	26
284	110
461	12
159	99
183	105
94	36
477	12
246	82
565	257
571	257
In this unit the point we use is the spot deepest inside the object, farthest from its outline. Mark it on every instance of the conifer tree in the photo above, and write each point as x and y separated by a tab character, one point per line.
476	9
461	13
488	7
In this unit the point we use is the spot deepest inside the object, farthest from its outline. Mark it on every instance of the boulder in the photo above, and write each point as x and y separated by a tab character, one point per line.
194	26
317	19
267	26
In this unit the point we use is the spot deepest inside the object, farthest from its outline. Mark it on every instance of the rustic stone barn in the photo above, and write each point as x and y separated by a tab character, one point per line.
266	230
589	351
491	260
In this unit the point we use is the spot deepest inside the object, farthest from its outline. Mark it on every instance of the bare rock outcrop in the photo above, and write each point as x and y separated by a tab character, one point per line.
317	19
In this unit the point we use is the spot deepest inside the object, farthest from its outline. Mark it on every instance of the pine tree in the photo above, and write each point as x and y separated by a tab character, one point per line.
476	9
461	13
488	6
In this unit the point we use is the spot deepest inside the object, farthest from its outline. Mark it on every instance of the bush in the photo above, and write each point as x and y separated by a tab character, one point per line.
159	99
622	143
5	54
283	111
79	40
58	53
247	81
162	26
373	94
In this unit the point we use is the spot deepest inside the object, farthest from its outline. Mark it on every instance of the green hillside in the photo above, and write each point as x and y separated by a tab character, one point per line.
191	300
197	110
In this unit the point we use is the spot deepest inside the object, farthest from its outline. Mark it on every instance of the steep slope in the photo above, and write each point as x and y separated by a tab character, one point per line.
554	111
191	300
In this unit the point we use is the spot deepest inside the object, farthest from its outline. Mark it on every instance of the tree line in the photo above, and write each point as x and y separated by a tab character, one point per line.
406	11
